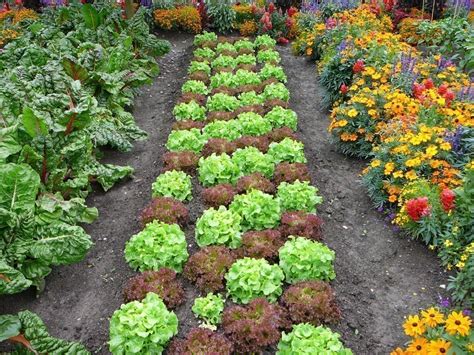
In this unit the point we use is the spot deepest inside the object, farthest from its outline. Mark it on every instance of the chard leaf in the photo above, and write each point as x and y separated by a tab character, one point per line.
8	142
11	280
33	124
91	16
10	326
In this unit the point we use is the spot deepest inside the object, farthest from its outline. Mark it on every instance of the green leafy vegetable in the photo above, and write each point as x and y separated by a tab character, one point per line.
276	91
186	140
173	183
199	66
270	71
280	117
217	169
298	196
250	160
220	227
229	130
204	37
250	98
223	61
189	111
253	124
222	102
209	308
287	150
268	56
195	86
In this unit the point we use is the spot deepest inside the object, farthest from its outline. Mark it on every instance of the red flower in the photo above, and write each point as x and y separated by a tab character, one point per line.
448	198
418	208
282	40
291	11
443	88
418	90
18	2
449	96
271	8
429	84
344	89
289	22
358	66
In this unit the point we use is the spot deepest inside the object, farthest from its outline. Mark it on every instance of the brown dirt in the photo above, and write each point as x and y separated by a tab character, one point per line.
381	276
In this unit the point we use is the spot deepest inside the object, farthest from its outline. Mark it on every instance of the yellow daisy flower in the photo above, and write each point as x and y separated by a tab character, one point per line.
414	326
457	323
432	317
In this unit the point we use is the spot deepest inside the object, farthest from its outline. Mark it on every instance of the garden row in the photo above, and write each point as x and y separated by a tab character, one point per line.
259	240
66	85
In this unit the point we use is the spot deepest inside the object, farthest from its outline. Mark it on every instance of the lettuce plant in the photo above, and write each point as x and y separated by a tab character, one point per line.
290	172
302	260
204	37
260	142
281	117
157	245
189	111
301	224
185	161
209	308
162	282
311	302
298	196
244	44
249	278
208	266
250	160
222	79
229	130
186	140
206	53
187	124
278	134
217	169
221	115
252	124
221	227
223	61
142	327
225	47
270	71
287	150
307	339
262	244
218	146
254	327
199	67
219	195
245	77
264	41
248	59
166	210
268	56
250	98
258	210
195	87
202	341
255	181
173	183
276	91
222	102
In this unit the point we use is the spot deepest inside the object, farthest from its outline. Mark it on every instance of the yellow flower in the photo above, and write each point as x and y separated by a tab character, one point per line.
375	163
418	346
431	151
439	346
398	351
445	146
432	317
398	174
414	326
352	112
389	167
376	76
458	323
342	123
460	265
372	113
411	175
448	243
411	163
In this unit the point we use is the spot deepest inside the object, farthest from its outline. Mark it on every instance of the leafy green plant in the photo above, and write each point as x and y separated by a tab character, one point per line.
217	169
250	160
255	181
281	117
142	327
247	59
222	102
157	245
253	124
222	79
173	183
250	98
199	67
204	37
308	339
276	91
245	77
298	196
221	227
195	86
27	329
209	308
186	140
189	111
225	47
249	278
222	14
302	260
186	161
166	210
206	53
288	150
262	244
264	41
290	172
244	44
223	61
257	209
219	195
268	56
270	71
229	130
218	146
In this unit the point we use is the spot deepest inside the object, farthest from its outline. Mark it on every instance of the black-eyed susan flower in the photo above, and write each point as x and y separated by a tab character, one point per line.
414	326
438	347
457	323
432	317
418	346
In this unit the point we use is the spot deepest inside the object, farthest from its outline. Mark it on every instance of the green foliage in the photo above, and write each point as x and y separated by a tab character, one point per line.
302	259
142	327
298	196
258	210
189	111
204	37
243	44
199	66
223	61
222	14
253	124
217	169
225	47
245	77
250	98
229	130
280	117
218	227
276	91
308	339
222	79
173	183
207	53
270	71
248	59
287	150
249	278
157	245
195	86
268	56
209	308
186	140
29	327
264	41
250	160
222	102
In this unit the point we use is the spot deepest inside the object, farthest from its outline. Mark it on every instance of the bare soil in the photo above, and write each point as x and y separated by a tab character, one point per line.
381	276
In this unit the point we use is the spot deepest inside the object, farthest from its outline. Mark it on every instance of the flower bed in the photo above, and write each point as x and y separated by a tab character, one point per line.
261	239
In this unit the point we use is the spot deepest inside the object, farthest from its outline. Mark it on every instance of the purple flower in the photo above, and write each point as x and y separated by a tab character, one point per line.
444	302
146	3
467	312
380	209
